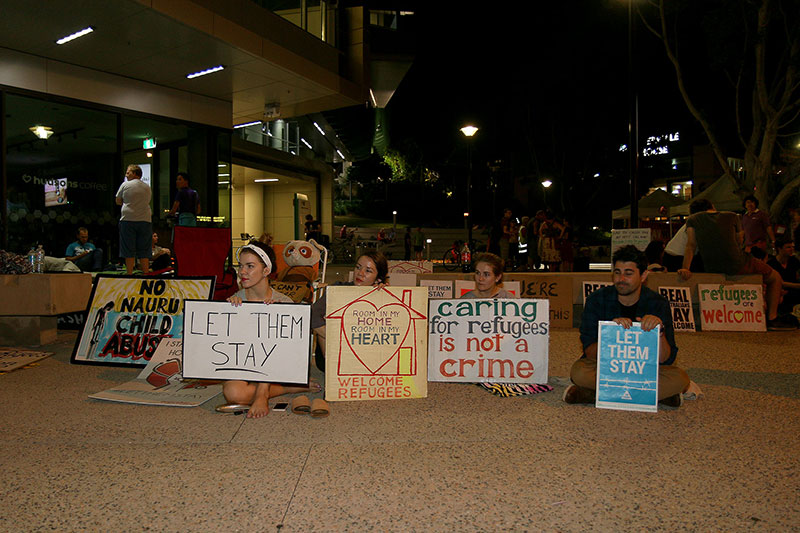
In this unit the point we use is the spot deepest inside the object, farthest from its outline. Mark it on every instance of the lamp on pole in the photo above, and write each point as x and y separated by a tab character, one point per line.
468	132
633	123
546	184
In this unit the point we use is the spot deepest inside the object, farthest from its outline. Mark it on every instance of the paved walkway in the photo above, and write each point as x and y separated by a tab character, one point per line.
460	459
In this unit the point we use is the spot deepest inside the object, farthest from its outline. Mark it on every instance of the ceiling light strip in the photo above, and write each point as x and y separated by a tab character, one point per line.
204	72
75	35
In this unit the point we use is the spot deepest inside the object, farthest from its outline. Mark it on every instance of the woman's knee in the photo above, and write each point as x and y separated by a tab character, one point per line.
238	392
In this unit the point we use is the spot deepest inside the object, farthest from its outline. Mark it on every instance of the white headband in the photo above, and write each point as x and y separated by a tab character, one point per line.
259	252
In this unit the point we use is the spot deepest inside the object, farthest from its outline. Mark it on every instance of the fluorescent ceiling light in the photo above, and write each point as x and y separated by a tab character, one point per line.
75	35
306	143
224	183
265	180
43	132
320	129
224	175
222	165
247	124
340	154
204	72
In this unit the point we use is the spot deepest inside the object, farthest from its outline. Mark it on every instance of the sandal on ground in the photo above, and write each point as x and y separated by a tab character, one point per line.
235	408
319	408
301	405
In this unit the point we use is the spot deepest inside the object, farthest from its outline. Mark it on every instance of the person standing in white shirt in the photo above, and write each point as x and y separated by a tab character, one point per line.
135	224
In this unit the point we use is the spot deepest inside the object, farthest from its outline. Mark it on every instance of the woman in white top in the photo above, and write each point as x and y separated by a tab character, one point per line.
255	266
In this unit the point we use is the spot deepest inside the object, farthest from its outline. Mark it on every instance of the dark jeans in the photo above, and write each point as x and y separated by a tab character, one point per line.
91	262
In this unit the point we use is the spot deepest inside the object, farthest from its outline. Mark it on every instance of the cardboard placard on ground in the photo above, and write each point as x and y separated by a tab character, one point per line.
555	287
402	279
13	358
680	304
250	342
128	316
161	382
590	286
463	286
731	308
639	237
377	343
410	267
437	289
627	367
500	341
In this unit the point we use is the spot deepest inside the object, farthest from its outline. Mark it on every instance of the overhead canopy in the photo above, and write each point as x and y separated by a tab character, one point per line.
650	205
721	193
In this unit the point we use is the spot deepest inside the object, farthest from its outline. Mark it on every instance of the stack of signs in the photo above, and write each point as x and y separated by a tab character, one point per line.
376	343
128	316
627	367
249	342
161	382
680	305
732	308
464	286
489	341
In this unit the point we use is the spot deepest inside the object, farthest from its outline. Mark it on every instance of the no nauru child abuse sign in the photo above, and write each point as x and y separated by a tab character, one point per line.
128	316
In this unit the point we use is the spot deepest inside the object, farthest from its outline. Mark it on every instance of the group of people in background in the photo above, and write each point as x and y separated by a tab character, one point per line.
532	243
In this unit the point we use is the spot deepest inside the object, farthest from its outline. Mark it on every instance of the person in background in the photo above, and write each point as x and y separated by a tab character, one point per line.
565	247
488	276
756	227
655	256
187	202
84	254
788	267
550	232
625	302
407	244
312	228
159	256
718	235
135	229
506	231
255	266
418	239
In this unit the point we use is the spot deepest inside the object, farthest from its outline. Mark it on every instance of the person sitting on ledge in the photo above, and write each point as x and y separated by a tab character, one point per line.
624	302
255	265
84	254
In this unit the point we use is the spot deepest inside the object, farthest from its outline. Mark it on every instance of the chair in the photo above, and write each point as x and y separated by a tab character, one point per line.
203	252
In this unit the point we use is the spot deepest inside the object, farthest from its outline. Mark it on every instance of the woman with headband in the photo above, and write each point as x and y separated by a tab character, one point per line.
254	268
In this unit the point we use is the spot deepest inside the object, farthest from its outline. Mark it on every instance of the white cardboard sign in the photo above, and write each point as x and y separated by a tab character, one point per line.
680	305
732	308
490	341
639	237
590	286
410	267
402	279
437	288
251	342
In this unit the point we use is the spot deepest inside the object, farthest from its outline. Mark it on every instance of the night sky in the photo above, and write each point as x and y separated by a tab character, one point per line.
547	83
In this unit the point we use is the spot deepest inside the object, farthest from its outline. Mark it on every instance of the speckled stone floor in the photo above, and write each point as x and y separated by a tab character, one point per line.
459	460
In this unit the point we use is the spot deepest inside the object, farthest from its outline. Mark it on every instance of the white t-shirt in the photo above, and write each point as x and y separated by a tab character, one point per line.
135	196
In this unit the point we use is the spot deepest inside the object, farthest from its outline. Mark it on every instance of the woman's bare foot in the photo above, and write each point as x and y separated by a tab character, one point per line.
259	408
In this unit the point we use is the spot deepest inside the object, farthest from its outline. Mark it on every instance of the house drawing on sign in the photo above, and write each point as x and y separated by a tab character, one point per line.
410	267
378	335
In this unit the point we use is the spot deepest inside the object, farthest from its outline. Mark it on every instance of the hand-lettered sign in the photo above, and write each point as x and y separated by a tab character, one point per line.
680	305
128	316
437	288
731	308
410	267
376	343
489	340
161	382
590	286
627	367
639	237
555	287
250	342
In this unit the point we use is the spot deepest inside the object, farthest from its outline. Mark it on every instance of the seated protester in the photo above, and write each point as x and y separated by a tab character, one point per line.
84	254
371	270
488	274
788	267
625	302
160	257
254	268
655	256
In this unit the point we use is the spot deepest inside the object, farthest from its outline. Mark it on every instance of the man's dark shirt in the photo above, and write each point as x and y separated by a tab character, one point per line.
790	273
603	304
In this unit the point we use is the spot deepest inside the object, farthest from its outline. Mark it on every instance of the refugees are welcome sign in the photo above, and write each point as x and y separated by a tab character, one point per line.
627	367
251	342
489	340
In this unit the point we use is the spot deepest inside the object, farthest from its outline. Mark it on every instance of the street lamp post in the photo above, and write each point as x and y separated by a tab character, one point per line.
468	132
546	184
633	124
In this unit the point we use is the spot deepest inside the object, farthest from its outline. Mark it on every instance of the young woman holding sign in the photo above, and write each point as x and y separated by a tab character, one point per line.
488	273
255	266
371	270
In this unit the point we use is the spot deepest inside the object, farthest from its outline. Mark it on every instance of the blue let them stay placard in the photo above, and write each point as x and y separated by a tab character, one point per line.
627	367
